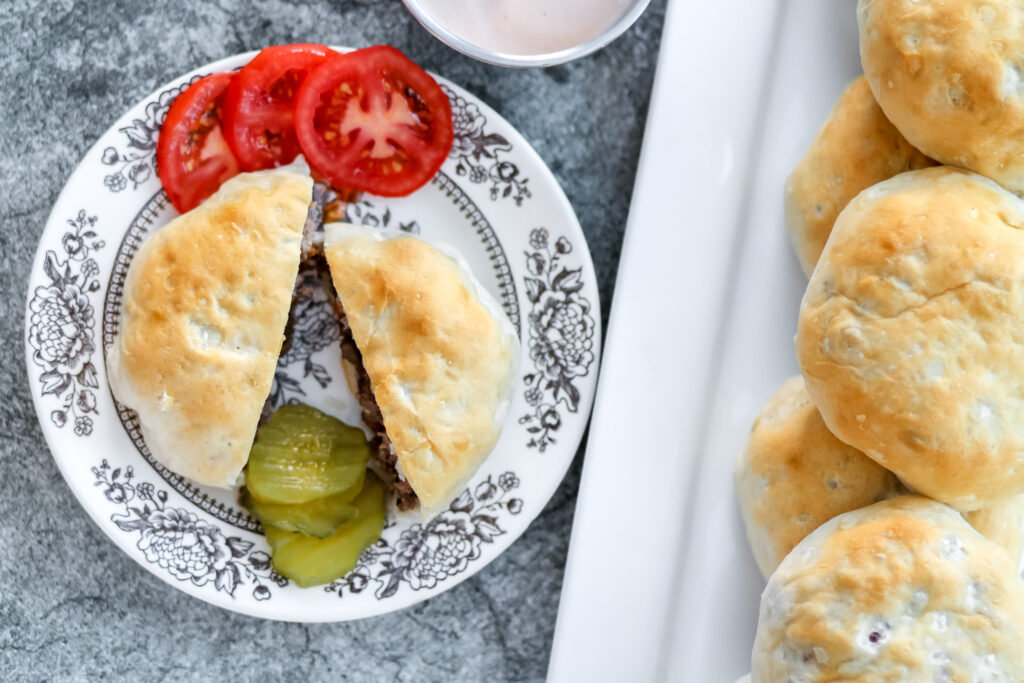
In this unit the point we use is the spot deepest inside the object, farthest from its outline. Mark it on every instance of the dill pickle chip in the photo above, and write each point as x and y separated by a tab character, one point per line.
279	538
320	517
299	421
302	454
312	561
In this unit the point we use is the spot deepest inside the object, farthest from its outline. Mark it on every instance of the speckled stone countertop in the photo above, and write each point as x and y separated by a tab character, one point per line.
72	605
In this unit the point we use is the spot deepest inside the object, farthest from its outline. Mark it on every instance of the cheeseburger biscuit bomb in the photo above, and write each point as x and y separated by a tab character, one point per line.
793	476
947	73
911	333
855	148
902	590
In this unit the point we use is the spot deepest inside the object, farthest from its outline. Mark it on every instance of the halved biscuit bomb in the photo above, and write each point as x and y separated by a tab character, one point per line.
429	353
205	306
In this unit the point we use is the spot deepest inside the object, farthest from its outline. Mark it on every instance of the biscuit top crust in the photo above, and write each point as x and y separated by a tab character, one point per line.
1003	523
440	354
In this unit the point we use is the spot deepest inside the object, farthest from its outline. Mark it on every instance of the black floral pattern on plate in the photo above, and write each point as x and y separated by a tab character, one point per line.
479	154
315	327
364	212
561	336
176	540
135	163
61	326
428	553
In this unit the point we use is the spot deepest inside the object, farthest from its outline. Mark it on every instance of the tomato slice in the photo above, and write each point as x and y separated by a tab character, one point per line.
372	120
192	158
259	104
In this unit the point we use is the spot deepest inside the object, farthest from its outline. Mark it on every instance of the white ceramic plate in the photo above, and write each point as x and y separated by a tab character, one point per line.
494	200
702	329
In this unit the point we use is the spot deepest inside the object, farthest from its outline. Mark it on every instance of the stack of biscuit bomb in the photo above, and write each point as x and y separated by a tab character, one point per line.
883	491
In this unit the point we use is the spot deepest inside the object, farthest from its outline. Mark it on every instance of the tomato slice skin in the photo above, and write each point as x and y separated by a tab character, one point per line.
372	120
192	157
259	104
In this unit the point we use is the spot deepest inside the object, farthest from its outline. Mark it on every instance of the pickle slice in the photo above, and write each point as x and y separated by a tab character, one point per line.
313	561
302	454
320	517
299	421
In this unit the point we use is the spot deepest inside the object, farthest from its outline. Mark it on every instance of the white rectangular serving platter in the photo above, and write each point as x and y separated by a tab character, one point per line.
660	584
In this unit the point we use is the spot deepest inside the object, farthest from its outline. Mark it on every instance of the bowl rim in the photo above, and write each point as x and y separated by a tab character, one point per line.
460	44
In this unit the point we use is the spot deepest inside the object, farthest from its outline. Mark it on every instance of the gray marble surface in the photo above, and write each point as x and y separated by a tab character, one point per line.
72	606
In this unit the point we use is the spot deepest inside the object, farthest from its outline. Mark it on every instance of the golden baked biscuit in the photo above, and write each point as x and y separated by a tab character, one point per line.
948	74
855	148
902	590
793	475
911	333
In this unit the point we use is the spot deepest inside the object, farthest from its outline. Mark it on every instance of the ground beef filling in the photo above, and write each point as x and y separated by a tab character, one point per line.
306	283
381	444
314	273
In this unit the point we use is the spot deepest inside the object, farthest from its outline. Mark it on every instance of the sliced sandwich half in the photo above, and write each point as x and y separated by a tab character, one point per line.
205	306
430	354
